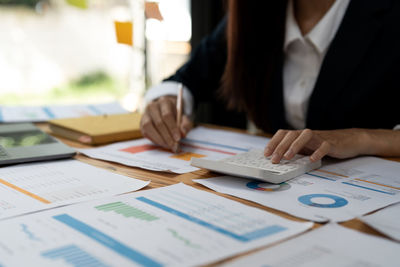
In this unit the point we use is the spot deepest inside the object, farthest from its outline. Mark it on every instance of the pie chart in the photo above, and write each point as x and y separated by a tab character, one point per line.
261	186
323	201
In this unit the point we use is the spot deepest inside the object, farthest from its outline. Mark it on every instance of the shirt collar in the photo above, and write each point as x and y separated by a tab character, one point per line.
323	33
293	32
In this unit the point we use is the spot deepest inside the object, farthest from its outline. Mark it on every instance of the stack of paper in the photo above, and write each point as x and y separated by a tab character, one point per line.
200	142
386	221
339	191
176	226
37	186
328	246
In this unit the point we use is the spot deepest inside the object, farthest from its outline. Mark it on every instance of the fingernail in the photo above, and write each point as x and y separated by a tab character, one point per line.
275	158
175	147
267	151
177	136
288	153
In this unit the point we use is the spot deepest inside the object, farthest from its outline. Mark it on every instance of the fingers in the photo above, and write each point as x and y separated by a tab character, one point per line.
274	142
323	150
159	122
150	132
283	146
168	115
299	144
286	144
186	125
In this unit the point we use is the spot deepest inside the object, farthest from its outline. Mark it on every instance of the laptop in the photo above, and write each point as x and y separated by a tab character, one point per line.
24	142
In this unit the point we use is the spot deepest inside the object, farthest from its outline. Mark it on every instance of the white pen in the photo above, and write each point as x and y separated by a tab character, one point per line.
179	112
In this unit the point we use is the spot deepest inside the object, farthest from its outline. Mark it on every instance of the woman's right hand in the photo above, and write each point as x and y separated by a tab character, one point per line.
159	123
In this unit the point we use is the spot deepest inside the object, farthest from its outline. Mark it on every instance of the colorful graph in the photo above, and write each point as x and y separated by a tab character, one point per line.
327	175
372	186
29	234
127	211
308	200
74	256
187	140
188	145
186	156
107	241
261	186
25	192
379	184
250	236
141	148
186	241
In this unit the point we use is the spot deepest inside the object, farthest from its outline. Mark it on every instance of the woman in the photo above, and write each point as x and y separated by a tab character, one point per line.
328	74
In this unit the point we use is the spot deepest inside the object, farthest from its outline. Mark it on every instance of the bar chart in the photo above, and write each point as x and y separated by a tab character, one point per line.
74	256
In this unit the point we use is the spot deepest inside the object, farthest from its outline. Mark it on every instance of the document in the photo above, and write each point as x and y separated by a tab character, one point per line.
329	246
45	113
200	142
339	191
37	186
169	226
386	221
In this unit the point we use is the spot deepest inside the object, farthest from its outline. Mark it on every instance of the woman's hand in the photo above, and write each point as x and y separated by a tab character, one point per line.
341	144
159	123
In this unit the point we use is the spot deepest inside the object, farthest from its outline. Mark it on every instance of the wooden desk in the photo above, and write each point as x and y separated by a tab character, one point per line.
159	179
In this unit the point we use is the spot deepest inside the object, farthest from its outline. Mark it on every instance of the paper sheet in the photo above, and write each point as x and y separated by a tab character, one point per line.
200	142
386	221
170	226
45	113
329	246
338	191
37	186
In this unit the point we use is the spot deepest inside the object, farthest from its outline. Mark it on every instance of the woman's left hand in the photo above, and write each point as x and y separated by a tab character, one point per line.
347	143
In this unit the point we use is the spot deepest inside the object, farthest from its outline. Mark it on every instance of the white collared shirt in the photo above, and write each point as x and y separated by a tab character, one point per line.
303	59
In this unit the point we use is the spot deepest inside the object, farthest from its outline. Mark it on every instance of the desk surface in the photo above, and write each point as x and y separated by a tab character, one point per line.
159	179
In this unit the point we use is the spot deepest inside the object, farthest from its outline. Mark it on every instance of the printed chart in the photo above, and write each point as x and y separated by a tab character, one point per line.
74	256
261	186
323	201
326	246
338	191
36	186
200	142
195	227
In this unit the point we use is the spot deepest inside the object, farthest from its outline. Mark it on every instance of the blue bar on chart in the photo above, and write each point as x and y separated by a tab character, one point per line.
214	144
260	233
73	255
107	241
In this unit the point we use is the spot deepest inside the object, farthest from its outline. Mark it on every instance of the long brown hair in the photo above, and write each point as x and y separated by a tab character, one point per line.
251	62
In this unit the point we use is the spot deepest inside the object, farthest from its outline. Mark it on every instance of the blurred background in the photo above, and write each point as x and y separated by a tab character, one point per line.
66	51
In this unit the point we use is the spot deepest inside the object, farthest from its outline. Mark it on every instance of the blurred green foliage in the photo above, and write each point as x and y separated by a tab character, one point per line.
30	3
93	87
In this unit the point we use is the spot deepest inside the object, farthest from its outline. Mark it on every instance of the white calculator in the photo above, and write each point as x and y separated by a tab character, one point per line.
254	164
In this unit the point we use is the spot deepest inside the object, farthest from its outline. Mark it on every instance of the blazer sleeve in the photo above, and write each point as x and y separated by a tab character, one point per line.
202	73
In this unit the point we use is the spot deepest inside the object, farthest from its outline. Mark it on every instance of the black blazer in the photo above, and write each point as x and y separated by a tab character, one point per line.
358	84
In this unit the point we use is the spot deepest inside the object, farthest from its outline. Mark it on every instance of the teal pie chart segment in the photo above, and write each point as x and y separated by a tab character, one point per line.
312	200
